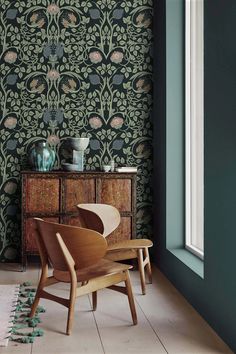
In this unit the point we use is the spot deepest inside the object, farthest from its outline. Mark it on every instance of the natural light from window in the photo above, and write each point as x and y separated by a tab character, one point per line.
194	126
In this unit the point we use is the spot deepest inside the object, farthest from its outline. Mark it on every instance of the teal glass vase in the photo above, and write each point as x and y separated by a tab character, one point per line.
42	157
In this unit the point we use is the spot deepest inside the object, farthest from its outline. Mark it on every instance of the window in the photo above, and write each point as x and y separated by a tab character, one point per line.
194	127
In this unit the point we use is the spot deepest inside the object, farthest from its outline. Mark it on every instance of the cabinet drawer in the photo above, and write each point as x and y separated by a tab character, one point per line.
78	191
117	192
30	240
42	195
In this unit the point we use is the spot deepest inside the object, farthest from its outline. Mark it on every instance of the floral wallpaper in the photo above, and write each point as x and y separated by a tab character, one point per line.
74	68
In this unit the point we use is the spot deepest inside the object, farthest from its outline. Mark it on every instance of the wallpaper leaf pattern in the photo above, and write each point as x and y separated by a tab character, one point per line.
74	68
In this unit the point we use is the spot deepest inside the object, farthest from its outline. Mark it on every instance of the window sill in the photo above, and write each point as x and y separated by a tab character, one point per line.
190	260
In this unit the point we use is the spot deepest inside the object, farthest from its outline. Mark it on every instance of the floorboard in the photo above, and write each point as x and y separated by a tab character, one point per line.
167	323
116	328
84	337
179	327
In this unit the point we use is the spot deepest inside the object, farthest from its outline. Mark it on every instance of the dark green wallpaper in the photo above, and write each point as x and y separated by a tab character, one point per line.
74	68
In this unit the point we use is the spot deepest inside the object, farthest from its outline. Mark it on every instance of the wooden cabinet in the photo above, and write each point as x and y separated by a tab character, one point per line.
53	196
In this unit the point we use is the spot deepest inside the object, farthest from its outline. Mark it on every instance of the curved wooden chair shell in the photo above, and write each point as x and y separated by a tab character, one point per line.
102	218
105	219
76	255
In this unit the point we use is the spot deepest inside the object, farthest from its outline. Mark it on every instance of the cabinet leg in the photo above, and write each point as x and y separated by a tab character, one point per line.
24	263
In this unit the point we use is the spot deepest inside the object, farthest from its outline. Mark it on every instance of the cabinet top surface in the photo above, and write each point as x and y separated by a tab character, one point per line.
85	173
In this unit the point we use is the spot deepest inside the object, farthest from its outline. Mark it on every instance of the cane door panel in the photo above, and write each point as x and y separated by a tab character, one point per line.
123	232
78	191
42	195
117	192
71	220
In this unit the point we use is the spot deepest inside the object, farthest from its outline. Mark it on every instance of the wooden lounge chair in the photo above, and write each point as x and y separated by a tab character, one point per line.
76	255
105	219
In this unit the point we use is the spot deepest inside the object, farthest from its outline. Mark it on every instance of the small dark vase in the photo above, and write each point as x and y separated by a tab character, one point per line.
42	157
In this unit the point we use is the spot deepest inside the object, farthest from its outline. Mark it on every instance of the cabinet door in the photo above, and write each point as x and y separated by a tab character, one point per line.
78	191
123	232
42	195
30	240
117	192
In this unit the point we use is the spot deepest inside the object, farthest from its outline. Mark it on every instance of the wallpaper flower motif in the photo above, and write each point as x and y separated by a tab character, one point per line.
74	68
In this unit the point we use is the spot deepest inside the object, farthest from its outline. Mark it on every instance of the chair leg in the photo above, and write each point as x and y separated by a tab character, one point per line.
149	268
43	278
130	297
141	270
34	305
70	317
94	298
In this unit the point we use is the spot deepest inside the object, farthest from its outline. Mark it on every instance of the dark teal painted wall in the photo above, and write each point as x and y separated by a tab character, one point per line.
214	296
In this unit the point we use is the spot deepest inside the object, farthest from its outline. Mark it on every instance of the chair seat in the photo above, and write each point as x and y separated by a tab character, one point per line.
135	244
121	254
102	268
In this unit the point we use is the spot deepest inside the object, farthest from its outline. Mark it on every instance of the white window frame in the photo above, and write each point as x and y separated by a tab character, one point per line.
194	127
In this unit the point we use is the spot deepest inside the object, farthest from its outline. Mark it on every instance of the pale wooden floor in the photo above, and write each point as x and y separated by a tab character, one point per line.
167	323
